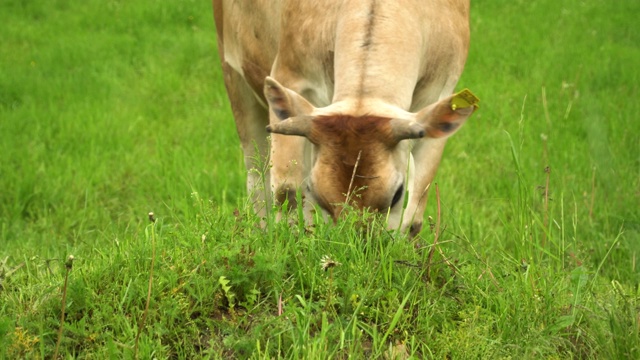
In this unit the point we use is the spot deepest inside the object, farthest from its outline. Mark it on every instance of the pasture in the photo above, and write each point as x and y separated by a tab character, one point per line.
112	109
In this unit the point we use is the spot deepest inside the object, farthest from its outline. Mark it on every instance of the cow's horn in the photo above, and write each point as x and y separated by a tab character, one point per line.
297	125
406	129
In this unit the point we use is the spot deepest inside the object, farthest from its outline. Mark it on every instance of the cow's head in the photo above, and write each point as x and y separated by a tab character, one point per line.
361	160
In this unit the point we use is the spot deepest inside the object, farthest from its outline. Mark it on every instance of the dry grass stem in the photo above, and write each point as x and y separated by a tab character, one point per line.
546	107
593	193
68	266
353	175
146	307
547	171
436	234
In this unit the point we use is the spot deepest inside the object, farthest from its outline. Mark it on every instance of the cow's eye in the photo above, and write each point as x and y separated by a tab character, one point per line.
397	196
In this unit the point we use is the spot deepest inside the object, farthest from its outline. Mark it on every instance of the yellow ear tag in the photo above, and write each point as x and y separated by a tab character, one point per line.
464	99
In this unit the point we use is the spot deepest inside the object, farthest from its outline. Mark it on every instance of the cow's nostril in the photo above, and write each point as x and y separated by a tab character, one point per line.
397	196
287	195
415	229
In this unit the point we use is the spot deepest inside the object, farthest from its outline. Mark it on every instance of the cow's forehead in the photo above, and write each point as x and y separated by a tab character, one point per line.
354	154
353	158
348	130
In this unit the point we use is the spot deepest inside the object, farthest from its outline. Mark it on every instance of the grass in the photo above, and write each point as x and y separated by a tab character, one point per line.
109	110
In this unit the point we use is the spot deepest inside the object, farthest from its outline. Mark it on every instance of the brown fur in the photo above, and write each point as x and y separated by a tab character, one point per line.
350	151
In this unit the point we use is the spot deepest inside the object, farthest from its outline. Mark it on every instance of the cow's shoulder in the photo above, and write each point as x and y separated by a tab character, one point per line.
248	37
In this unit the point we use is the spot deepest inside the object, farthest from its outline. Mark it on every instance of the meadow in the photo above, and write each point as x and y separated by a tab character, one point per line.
110	110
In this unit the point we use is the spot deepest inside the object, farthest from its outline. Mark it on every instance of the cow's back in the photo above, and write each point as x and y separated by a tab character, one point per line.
304	43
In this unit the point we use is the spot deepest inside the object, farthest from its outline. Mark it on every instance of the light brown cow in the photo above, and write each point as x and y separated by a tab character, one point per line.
357	97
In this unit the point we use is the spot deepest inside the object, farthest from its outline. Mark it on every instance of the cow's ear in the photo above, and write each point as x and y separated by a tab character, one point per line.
285	103
446	116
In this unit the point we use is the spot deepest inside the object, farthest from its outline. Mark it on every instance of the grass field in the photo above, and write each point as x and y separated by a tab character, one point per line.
112	109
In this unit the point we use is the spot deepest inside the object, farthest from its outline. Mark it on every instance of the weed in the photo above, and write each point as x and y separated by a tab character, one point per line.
68	266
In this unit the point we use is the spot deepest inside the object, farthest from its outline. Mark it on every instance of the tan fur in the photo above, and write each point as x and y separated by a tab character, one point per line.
352	67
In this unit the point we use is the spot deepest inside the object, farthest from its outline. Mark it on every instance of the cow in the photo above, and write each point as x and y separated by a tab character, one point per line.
348	102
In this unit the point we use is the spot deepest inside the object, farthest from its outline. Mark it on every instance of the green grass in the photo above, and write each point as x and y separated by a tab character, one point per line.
109	110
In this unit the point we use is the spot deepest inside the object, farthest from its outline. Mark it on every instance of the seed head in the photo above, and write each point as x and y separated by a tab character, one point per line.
69	263
326	262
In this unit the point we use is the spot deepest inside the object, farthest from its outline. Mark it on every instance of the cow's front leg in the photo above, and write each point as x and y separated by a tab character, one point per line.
251	118
287	168
441	120
427	154
290	155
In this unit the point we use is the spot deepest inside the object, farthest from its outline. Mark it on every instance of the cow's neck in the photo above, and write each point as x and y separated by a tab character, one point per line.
378	56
